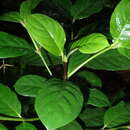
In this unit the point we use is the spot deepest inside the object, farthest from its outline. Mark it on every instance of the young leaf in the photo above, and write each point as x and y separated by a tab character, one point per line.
25	126
71	126
116	115
93	79
11	17
58	103
12	46
98	98
92	117
29	85
47	32
27	6
91	43
2	127
85	8
120	24
9	103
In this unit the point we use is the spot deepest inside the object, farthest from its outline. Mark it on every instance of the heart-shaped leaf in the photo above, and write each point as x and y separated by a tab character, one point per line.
25	126
2	127
47	32
58	103
120	24
71	126
9	103
91	43
98	98
85	8
29	85
116	115
11	17
12	46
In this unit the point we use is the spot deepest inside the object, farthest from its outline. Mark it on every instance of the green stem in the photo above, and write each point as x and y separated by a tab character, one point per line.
18	119
40	55
88	60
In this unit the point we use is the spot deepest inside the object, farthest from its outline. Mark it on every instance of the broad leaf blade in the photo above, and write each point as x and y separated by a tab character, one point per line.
25	126
85	8
92	78
91	43
116	115
9	103
120	24
11	17
27	6
2	127
47	32
93	117
29	85
98	98
12	46
71	126
56	103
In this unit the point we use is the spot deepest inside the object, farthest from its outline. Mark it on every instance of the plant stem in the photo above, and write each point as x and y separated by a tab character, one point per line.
40	55
88	60
18	119
65	60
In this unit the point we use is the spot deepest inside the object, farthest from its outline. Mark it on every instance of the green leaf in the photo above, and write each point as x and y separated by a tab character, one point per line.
12	46
71	126
65	4
2	127
9	103
27	6
25	126
98	98
29	85
116	115
93	117
58	103
124	52
34	59
91	43
111	60
85	8
93	79
11	17
47	32
120	24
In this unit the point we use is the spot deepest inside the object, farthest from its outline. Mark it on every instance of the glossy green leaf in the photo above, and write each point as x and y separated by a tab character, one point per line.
58	103
115	61
93	117
2	127
71	126
92	78
25	126
29	85
85	8
47	32
91	43
120	24
98	98
27	6
9	103
116	115
124	52
12	46
11	17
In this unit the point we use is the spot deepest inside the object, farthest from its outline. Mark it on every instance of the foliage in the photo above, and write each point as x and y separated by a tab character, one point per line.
57	102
